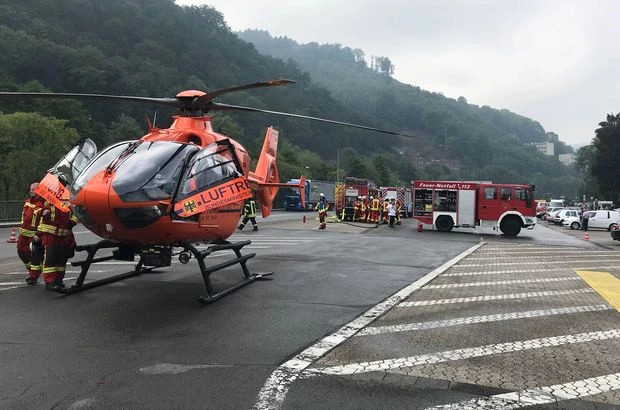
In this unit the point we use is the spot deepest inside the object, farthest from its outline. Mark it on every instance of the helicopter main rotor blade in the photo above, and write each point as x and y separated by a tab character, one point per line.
202	101
213	106
163	101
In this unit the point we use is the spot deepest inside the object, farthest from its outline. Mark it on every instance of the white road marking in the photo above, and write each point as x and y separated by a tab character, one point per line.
83	404
501	282
532	255
466	353
172	368
540	395
273	392
376	330
495	297
477	265
499	272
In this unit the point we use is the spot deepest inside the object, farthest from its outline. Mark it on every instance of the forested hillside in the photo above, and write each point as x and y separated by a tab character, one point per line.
487	143
156	48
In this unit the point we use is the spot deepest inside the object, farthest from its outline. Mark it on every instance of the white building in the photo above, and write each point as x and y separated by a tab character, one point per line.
546	148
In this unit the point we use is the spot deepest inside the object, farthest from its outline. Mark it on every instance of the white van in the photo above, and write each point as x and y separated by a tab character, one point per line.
556	203
603	219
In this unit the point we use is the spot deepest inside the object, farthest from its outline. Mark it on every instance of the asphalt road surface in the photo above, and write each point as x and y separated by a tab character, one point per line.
354	317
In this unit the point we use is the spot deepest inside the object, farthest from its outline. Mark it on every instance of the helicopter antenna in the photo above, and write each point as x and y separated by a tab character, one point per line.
149	123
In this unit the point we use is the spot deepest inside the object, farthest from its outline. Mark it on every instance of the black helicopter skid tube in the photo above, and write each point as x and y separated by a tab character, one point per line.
200	256
91	250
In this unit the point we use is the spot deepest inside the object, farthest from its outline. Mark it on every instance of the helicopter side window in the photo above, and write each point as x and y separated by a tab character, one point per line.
208	168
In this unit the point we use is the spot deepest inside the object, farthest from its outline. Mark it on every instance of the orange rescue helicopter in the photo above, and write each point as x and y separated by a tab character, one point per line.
173	188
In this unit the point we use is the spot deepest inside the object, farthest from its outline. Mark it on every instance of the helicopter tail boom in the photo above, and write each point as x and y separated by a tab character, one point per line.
265	180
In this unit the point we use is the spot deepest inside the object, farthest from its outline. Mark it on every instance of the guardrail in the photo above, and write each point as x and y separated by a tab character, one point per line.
11	211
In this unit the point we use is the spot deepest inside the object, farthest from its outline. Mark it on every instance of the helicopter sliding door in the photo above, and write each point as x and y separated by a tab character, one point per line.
55	185
212	179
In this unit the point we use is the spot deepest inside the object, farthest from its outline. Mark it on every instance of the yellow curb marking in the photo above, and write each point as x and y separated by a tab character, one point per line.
605	284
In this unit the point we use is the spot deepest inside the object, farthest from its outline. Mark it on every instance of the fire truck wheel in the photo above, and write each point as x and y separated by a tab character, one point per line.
444	223
510	226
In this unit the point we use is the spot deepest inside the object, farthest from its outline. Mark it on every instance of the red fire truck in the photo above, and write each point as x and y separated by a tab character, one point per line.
449	204
346	194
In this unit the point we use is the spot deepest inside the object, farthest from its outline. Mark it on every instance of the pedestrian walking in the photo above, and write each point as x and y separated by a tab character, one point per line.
585	217
391	211
249	214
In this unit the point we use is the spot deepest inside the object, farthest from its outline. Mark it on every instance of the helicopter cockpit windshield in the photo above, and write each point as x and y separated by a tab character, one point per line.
72	164
152	170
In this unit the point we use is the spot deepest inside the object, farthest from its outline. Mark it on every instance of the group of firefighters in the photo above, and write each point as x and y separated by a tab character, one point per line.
367	210
372	210
46	240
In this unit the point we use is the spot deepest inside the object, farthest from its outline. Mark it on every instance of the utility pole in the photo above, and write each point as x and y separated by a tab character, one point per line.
338	165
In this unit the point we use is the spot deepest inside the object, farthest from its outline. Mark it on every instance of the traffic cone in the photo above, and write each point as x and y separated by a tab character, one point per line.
586	236
13	237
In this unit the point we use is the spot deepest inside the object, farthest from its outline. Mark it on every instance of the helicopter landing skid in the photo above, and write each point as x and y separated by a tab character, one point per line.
90	259
200	256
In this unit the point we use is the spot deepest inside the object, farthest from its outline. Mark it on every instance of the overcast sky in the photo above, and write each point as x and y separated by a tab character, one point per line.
556	62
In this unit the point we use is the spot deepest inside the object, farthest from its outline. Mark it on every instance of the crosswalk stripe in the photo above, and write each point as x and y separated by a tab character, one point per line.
501	282
540	395
485	298
565	262
377	330
496	272
466	353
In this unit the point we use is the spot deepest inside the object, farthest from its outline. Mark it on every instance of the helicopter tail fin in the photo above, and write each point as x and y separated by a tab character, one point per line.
266	180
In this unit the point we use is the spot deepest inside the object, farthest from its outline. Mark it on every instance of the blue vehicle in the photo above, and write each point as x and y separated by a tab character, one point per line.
293	203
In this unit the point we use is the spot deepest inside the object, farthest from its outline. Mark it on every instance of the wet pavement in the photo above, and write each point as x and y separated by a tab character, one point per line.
356	316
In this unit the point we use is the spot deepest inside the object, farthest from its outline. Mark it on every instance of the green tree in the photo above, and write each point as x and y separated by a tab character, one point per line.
31	145
605	164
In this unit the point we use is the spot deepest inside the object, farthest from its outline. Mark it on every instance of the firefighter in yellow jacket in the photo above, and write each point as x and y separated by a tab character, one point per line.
29	247
375	208
57	237
249	214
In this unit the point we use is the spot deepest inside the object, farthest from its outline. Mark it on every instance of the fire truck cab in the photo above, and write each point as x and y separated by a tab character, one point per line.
450	204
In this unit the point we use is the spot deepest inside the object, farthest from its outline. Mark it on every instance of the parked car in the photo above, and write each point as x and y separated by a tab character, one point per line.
573	222
615	232
603	219
548	216
541	208
560	215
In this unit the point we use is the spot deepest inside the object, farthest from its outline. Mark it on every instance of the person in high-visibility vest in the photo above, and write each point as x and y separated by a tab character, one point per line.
384	211
399	209
364	209
29	247
375	207
322	206
249	214
57	237
357	208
